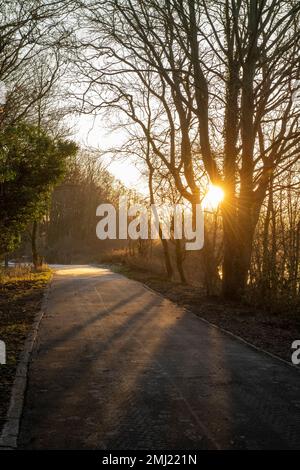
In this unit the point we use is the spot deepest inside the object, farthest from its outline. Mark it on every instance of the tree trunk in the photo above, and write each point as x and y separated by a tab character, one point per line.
230	280
164	242
167	257
35	257
235	270
238	241
268	258
179	260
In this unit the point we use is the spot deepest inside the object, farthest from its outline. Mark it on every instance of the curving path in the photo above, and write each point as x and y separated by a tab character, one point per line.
117	366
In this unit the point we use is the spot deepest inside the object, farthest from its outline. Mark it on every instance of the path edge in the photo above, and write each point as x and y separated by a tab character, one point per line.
10	431
227	332
204	320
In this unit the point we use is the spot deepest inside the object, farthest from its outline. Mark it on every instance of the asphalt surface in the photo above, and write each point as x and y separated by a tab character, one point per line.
116	366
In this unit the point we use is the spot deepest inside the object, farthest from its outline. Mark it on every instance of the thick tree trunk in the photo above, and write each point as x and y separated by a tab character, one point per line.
230	276
236	266
238	241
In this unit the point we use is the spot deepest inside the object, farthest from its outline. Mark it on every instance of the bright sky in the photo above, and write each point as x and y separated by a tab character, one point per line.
90	132
93	133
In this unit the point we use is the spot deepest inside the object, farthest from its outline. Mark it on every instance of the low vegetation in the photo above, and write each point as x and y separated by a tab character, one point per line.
21	292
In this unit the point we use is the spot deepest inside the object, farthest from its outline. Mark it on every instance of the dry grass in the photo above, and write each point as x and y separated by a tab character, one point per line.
21	291
22	272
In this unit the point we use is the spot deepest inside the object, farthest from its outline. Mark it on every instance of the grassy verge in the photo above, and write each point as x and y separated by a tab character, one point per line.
21	292
273	332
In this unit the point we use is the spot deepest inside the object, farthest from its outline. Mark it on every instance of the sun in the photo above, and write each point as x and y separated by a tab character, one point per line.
213	197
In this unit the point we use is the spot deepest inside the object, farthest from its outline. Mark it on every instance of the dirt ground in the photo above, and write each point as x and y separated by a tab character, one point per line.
20	300
273	332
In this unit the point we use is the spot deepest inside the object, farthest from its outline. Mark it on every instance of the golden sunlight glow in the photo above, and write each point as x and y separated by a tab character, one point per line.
213	197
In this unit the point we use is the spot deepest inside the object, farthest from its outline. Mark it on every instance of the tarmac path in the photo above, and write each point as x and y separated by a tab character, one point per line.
117	366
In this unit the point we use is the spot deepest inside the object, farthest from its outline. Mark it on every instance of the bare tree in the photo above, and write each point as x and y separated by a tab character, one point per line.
223	77
32	37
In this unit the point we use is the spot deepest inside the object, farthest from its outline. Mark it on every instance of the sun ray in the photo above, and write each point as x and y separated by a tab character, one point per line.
213	197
